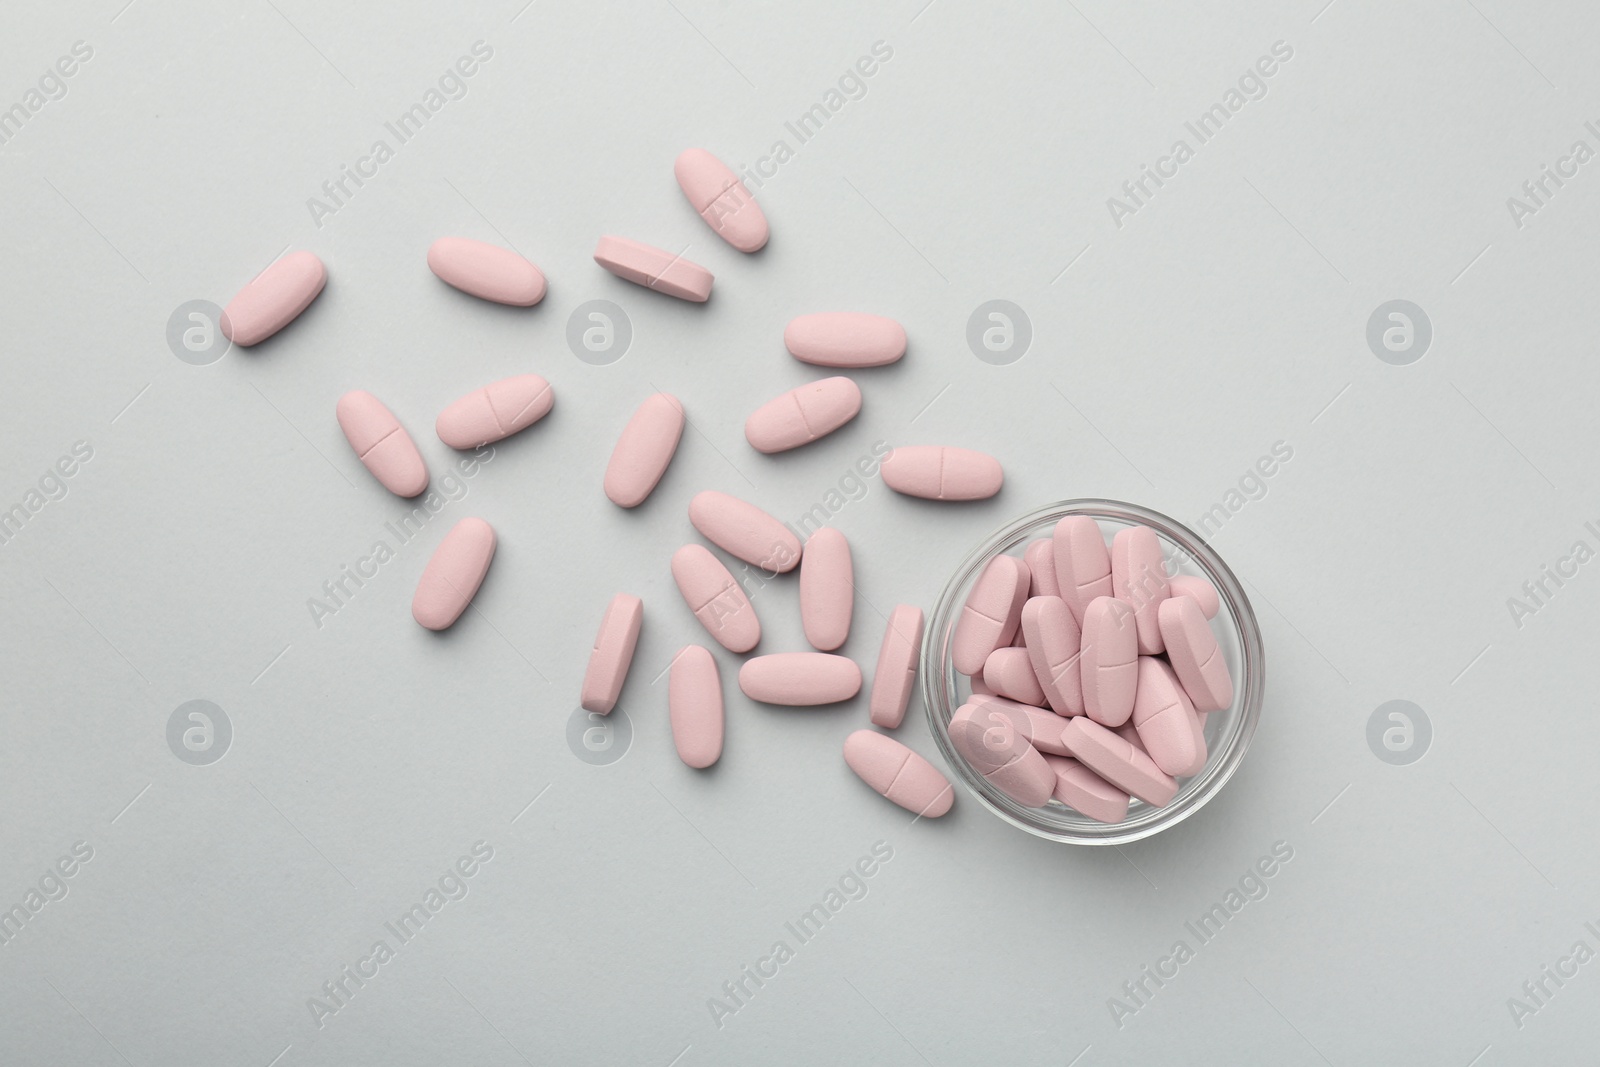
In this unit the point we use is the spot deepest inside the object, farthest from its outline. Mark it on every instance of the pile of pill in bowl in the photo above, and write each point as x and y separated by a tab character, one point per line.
1071	696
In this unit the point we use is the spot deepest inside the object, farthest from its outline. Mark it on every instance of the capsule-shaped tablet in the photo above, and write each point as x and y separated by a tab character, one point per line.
1083	563
1009	673
896	673
1044	729
612	654
1200	590
274	299
654	268
382	444
997	750
1086	792
803	415
715	598
898	774
721	199
936	472
845	339
744	531
827	589
1166	720
1195	656
495	412
1041	560
486	271
800	679
1118	762
1139	577
1055	649
453	574
694	705
1109	669
990	617
644	450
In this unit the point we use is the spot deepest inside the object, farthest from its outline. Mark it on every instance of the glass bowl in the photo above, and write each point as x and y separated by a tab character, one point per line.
1228	731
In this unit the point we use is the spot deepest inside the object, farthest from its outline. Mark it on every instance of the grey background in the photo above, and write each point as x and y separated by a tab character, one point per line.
1168	355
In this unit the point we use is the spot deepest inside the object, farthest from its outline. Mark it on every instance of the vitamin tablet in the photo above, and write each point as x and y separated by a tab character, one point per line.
1009	673
1086	792
896	673
800	679
654	268
996	749
1203	592
721	199
486	271
644	450
274	299
1166	720
1083	564
744	531
694	706
495	412
612	654
898	774
1194	654
1109	671
1040	558
827	589
1118	762
803	415
1139	577
453	574
1054	650
992	613
715	598
845	339
382	444
936	472
1044	729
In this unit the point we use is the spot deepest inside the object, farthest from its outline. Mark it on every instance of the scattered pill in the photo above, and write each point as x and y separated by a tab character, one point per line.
1203	592
845	339
803	415
1084	791
382	444
1109	670
996	749
745	531
612	654
898	774
1044	729
654	268
1118	761
1166	720
273	299
800	679
1008	672
1054	650
1040	558
896	673
1195	656
1083	564
715	598
721	199
453	574
694	706
991	614
827	589
644	450
495	412
486	271
936	472
1139	577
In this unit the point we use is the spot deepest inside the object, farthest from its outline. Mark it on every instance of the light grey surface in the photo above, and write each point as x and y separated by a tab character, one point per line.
1228	313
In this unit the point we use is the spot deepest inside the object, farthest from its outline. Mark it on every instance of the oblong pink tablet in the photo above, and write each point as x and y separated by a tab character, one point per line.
896	673
382	444
694	705
715	598
1009	673
800	679
845	339
1109	669
654	268
495	412
644	450
936	472
1166	720
721	199
273	299
827	589
991	614
1139	577
898	774
997	750
1202	591
1195	656
744	531
612	654
1086	792
1083	563
453	574
1041	560
486	271
1119	762
803	415
1054	650
1044	729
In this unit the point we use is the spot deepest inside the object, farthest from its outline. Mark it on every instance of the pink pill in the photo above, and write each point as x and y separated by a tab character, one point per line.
800	679
935	472
453	574
721	199
495	412
1202	591
694	705
1054	650
827	589
1119	762
1040	558
992	613
896	673
654	268
1166	720
274	299
745	531
845	339
382	444
1139	577
898	774
1109	669
1009	673
1086	792
715	598
1043	729
486	271
1196	659
644	450
997	750
1083	564
612	654
803	415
